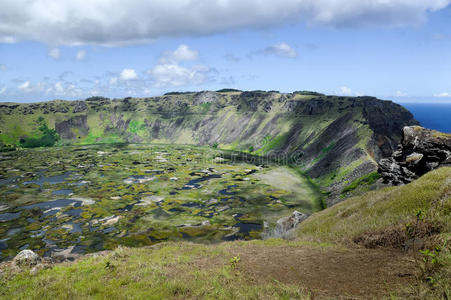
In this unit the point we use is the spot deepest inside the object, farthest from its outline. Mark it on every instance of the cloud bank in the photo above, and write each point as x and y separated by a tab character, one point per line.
282	49
117	22
175	68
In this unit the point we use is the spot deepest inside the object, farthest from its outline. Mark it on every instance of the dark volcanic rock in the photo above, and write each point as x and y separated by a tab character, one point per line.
317	106
64	128
79	106
386	119
421	150
205	97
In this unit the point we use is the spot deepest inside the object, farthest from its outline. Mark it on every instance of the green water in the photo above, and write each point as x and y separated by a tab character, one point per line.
98	197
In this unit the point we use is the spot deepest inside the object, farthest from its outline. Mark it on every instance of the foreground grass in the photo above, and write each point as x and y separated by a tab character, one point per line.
170	270
323	255
427	199
378	209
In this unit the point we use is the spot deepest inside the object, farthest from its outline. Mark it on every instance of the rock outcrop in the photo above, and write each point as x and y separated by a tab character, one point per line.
205	97
26	258
290	222
285	226
420	151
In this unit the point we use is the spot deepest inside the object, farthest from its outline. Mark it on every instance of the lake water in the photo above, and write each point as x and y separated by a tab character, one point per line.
432	115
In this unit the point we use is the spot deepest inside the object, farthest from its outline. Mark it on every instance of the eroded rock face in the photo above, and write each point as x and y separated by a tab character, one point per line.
65	128
205	97
420	151
79	106
290	222
26	258
285	226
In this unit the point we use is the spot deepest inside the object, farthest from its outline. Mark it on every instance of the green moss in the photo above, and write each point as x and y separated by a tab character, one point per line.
364	180
135	126
48	138
205	107
271	143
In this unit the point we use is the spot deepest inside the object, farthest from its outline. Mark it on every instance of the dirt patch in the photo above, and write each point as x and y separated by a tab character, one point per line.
401	236
359	273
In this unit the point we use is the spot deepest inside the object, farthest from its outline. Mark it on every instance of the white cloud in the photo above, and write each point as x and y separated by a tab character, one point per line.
25	86
3	67
113	80
282	49
3	90
81	55
7	39
345	91
182	53
401	94
28	87
55	53
128	74
59	87
123	22
443	95
169	72
174	75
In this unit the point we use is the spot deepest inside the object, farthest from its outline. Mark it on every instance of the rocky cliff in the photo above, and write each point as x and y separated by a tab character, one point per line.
420	151
335	140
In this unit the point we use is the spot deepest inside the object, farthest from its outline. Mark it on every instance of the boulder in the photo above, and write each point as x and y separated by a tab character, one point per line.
284	227
205	97
79	106
290	222
26	258
421	150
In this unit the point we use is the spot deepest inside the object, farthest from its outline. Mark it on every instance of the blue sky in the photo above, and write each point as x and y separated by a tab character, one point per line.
393	49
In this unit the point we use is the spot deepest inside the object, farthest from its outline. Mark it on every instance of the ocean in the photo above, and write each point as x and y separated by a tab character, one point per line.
432	115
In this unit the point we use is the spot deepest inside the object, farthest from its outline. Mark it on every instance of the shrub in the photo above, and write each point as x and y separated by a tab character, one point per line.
48	139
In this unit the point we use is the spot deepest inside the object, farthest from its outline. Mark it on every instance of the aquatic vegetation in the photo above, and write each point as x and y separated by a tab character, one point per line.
100	196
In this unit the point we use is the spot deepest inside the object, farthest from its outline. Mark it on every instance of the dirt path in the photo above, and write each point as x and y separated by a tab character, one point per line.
354	274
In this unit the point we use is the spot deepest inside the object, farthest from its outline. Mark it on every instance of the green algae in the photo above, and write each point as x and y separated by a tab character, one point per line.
137	195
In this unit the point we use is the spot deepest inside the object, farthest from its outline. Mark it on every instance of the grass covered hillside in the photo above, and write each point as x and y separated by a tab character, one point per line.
387	243
335	140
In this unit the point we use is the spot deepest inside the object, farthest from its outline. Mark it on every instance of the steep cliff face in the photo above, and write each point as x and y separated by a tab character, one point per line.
420	151
335	140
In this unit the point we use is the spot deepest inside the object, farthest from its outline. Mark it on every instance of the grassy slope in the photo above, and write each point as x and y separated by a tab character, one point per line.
262	268
288	179
379	209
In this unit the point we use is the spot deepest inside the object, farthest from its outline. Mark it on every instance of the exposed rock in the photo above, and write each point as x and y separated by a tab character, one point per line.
149	200
84	201
385	119
290	222
66	254
205	97
79	106
64	128
285	226
317	106
420	151
108	221
26	258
